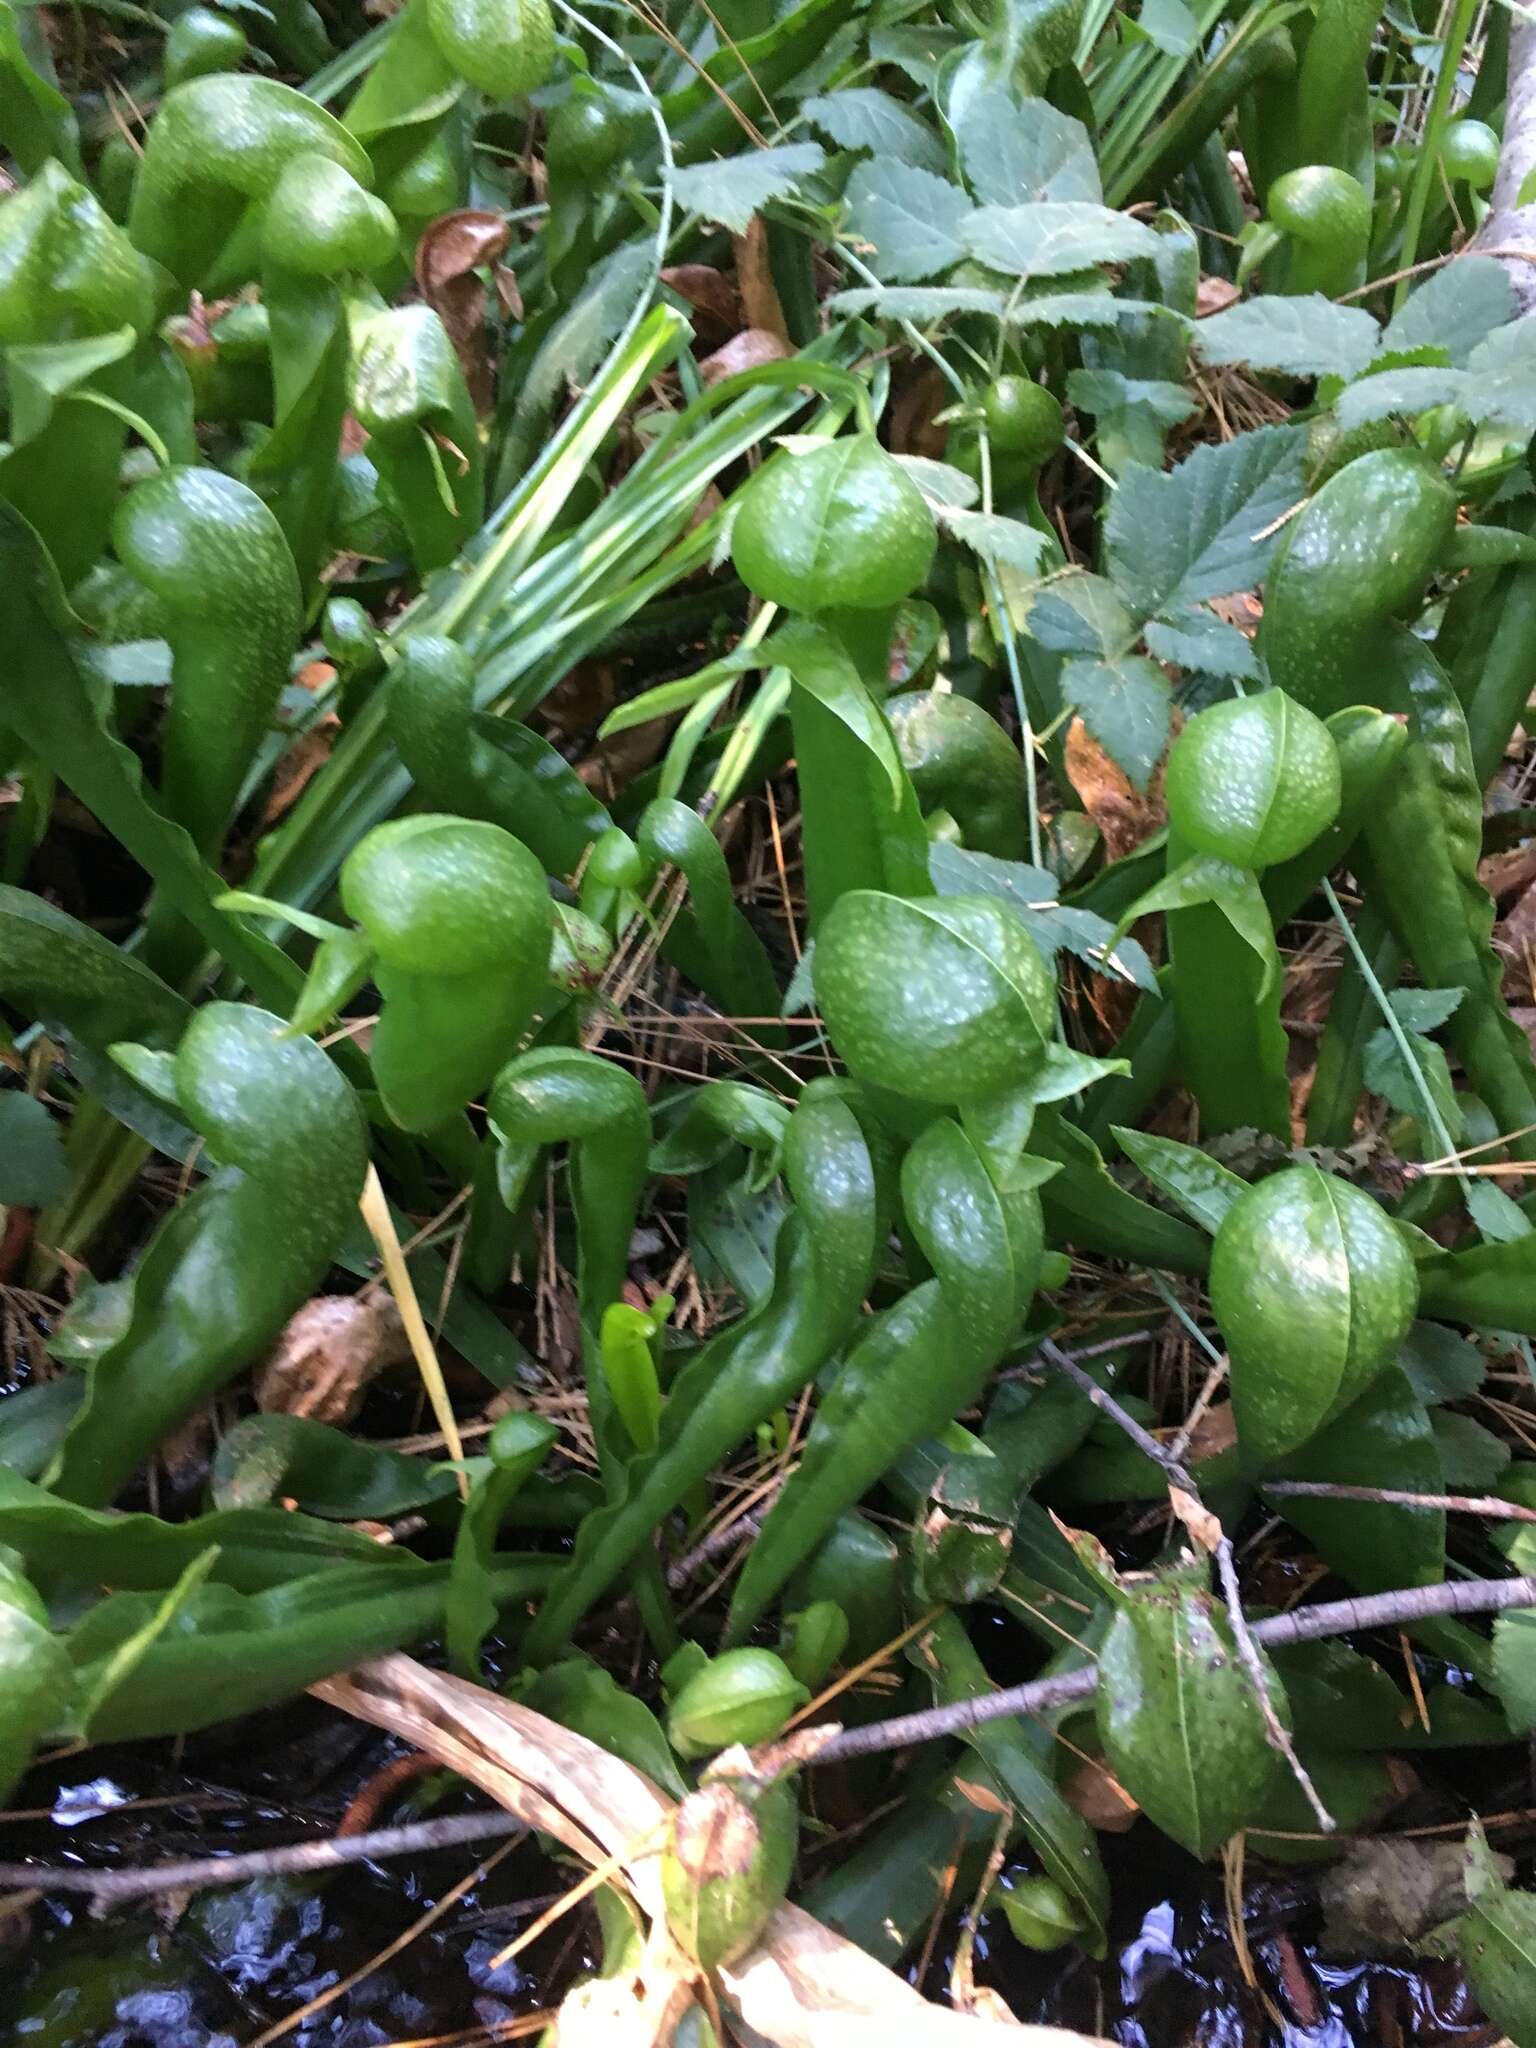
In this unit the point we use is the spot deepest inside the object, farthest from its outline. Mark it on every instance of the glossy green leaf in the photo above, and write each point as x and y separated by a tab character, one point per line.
228	1653
285	1130
1181	1727
325	1471
71	1550
47	705
823	1261
36	1678
583	1696
1384	1440
1497	1941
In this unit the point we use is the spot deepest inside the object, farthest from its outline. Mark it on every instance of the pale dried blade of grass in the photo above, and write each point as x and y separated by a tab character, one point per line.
802	1986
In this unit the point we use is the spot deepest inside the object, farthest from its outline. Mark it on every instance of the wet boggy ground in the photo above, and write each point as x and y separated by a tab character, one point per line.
214	1969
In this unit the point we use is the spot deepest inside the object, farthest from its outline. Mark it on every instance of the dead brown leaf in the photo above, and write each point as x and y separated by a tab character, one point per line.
1097	1794
452	250
303	760
1215	1431
754	275
982	1797
1242	609
712	295
1214	295
744	351
914	428
1123	815
1514	941
327	1354
1508	874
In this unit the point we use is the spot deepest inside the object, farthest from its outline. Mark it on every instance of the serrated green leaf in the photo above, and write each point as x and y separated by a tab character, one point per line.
1514	1668
1386	1074
1303	337
576	342
1498	1216
1093	309
863	117
33	1169
1201	642
1052	238
1205	528
1124	703
1440	1364
1454	309
1081	613
1100	391
918	302
1501	376
1375	397
1425	1009
910	220
1012	150
1203	1188
1030	893
914	49
1471	1457
732	189
997	539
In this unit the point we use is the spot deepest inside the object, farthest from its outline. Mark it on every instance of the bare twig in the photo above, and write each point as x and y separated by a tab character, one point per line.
1328	1618
1508	234
1487	1505
723	1540
1219	1546
110	1886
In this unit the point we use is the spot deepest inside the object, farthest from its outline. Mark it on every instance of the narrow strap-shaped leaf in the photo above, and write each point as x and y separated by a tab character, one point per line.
823	1263
916	1365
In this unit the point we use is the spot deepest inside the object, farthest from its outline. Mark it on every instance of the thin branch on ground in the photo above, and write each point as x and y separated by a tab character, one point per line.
1329	1618
1219	1546
414	1839
1487	1505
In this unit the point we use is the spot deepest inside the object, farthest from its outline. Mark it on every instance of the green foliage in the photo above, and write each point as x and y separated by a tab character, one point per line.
1180	1724
739	759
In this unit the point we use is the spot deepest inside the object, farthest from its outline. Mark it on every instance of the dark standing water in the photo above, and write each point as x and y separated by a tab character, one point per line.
229	1964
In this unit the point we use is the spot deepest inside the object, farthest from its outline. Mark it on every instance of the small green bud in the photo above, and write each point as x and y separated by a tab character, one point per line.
1038	1911
727	1864
742	1696
813	1640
